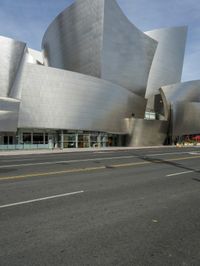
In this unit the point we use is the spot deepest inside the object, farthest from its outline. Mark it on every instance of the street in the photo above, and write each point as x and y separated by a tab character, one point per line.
129	207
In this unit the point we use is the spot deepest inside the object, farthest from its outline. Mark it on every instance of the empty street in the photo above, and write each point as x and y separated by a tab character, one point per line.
129	207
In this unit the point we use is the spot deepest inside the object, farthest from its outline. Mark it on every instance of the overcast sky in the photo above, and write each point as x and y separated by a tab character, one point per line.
27	20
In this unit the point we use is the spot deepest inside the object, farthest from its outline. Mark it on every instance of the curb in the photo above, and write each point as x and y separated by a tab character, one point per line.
76	150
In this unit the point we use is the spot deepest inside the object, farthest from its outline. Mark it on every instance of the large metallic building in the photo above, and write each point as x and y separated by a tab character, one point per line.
99	81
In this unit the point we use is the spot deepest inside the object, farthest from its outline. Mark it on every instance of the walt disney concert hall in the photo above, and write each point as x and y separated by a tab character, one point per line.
98	81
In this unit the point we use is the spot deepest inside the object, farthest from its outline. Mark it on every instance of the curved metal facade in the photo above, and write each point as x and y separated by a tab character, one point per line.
127	52
74	39
96	73
59	99
9	110
185	118
96	38
146	132
11	54
168	60
186	91
182	100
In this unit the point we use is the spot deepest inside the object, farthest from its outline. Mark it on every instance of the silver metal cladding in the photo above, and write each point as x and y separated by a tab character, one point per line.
9	109
186	91
182	100
185	118
11	54
60	99
98	72
73	41
168	60
146	132
97	39
127	52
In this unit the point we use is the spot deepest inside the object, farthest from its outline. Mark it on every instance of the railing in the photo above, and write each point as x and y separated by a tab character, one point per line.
25	147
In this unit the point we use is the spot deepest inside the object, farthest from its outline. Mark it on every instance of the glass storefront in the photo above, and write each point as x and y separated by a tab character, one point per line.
27	139
83	139
38	138
69	139
94	140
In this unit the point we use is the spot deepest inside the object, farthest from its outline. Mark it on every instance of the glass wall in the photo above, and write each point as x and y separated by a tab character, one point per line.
68	139
38	138
84	139
27	139
94	140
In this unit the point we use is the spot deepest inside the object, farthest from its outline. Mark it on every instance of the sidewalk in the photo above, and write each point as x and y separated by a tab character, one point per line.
57	151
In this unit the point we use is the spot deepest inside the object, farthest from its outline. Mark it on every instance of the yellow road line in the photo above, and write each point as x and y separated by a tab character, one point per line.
129	164
184	158
79	170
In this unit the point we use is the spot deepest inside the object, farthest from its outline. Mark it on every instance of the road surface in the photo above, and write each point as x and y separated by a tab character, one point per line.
130	207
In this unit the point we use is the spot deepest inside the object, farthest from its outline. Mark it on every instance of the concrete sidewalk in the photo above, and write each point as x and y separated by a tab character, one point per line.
57	151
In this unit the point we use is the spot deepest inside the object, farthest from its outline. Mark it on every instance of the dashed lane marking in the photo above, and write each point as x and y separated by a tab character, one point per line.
79	170
40	199
181	173
88	160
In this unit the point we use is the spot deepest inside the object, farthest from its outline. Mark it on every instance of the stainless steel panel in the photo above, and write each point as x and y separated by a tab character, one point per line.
179	92
9	109
11	54
146	132
186	91
185	118
16	89
127	52
168	60
59	99
95	38
73	41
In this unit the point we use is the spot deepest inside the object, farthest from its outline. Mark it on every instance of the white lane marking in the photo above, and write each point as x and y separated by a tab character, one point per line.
89	160
167	153
181	173
42	157
17	160
41	199
101	152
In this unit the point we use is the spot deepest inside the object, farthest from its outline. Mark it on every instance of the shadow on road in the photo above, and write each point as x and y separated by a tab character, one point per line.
166	162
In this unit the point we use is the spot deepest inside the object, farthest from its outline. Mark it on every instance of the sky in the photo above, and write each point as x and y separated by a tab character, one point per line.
27	20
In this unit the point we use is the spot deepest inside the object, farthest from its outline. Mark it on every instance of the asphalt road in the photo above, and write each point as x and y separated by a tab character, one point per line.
131	207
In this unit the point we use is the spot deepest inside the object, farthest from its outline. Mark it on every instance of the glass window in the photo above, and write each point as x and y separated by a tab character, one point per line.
38	138
104	140
69	141
27	138
5	140
83	141
46	138
94	140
